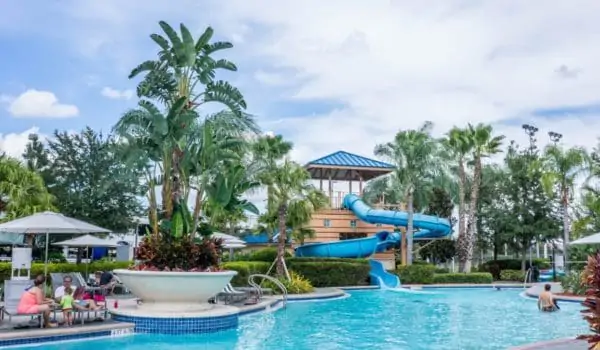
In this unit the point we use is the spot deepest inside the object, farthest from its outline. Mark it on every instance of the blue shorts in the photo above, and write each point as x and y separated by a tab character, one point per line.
82	303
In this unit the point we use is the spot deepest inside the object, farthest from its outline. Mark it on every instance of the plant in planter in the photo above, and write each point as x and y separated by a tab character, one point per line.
184	154
591	278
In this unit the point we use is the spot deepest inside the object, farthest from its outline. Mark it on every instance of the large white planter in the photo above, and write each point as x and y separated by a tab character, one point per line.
175	290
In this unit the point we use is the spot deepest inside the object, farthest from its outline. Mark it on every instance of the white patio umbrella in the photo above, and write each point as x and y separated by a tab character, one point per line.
48	223
227	239
87	242
231	247
592	239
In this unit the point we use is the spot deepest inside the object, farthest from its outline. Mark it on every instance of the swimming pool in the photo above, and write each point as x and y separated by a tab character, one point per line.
449	319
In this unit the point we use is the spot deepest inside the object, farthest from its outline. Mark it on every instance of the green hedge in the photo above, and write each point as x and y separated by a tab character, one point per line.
320	272
474	277
495	267
245	269
266	255
416	274
38	269
512	275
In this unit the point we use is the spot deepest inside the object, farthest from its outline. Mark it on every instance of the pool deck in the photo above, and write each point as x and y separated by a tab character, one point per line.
535	290
559	344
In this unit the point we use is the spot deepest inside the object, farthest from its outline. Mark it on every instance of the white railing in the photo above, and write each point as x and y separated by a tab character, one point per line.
253	283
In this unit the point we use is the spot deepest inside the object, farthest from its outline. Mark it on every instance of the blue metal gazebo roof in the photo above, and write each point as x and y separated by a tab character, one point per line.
347	166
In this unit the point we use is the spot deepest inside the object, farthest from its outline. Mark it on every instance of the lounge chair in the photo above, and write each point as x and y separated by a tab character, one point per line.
229	295
13	290
77	282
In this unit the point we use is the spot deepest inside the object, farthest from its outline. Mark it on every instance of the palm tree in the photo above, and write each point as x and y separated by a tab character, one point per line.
415	156
22	191
484	144
560	169
301	210
183	79
287	182
459	146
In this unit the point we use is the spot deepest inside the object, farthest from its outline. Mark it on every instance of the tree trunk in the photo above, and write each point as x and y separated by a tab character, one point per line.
409	228
462	253
470	236
565	209
153	210
198	208
281	215
524	259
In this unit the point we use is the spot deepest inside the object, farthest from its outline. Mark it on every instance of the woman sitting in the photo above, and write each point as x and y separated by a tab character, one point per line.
34	302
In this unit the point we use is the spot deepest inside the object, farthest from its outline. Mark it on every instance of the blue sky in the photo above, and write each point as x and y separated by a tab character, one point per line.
329	76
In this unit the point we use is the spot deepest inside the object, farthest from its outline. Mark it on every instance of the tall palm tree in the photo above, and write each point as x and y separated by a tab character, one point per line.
22	191
459	145
182	78
484	144
415	156
288	182
561	167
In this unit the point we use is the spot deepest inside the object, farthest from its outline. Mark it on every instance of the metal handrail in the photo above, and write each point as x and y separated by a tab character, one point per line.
274	280
527	277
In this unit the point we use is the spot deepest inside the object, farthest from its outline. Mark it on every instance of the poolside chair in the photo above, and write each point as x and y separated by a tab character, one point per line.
13	290
229	295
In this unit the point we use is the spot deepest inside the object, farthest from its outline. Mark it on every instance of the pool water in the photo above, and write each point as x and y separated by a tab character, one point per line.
444	319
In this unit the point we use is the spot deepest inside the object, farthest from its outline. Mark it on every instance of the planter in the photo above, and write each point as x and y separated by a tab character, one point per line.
175	290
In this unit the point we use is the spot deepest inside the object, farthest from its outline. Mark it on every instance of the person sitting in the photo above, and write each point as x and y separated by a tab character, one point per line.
546	300
80	302
106	281
34	302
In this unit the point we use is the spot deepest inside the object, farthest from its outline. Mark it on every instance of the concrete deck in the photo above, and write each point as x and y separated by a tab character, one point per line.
560	344
535	290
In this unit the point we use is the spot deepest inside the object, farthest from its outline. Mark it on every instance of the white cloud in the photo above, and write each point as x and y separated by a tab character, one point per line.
14	144
117	94
394	65
271	79
39	104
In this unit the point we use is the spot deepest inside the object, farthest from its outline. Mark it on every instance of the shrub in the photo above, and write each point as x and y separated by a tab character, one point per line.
245	269
475	278
296	285
38	268
572	283
442	270
496	266
416	274
178	253
266	254
512	275
591	278
331	272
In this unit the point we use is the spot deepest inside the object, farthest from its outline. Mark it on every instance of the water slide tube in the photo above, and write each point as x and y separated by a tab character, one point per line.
429	227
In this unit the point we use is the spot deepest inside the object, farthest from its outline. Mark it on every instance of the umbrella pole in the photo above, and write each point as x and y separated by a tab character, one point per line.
46	257
87	252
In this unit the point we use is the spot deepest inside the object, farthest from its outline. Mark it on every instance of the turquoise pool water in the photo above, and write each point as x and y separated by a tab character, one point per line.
450	319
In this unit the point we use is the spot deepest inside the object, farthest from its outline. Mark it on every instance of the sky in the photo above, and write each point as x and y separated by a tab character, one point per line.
328	75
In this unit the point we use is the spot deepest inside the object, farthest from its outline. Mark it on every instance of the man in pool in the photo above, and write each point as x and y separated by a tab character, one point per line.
546	300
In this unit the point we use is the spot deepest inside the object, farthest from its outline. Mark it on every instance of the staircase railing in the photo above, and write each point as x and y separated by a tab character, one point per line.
275	281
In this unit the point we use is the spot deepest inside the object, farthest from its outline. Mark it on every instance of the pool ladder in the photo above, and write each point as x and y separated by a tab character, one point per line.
258	289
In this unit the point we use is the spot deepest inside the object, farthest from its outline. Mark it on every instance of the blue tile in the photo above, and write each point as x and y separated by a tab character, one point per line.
180	325
56	338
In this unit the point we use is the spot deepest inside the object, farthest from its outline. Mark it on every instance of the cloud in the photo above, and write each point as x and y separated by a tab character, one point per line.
392	66
14	144
39	104
117	94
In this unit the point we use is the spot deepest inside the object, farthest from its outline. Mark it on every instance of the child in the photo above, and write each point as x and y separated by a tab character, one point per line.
66	303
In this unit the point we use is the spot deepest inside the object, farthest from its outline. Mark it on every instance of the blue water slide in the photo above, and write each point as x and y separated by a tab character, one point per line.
429	226
380	277
351	248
